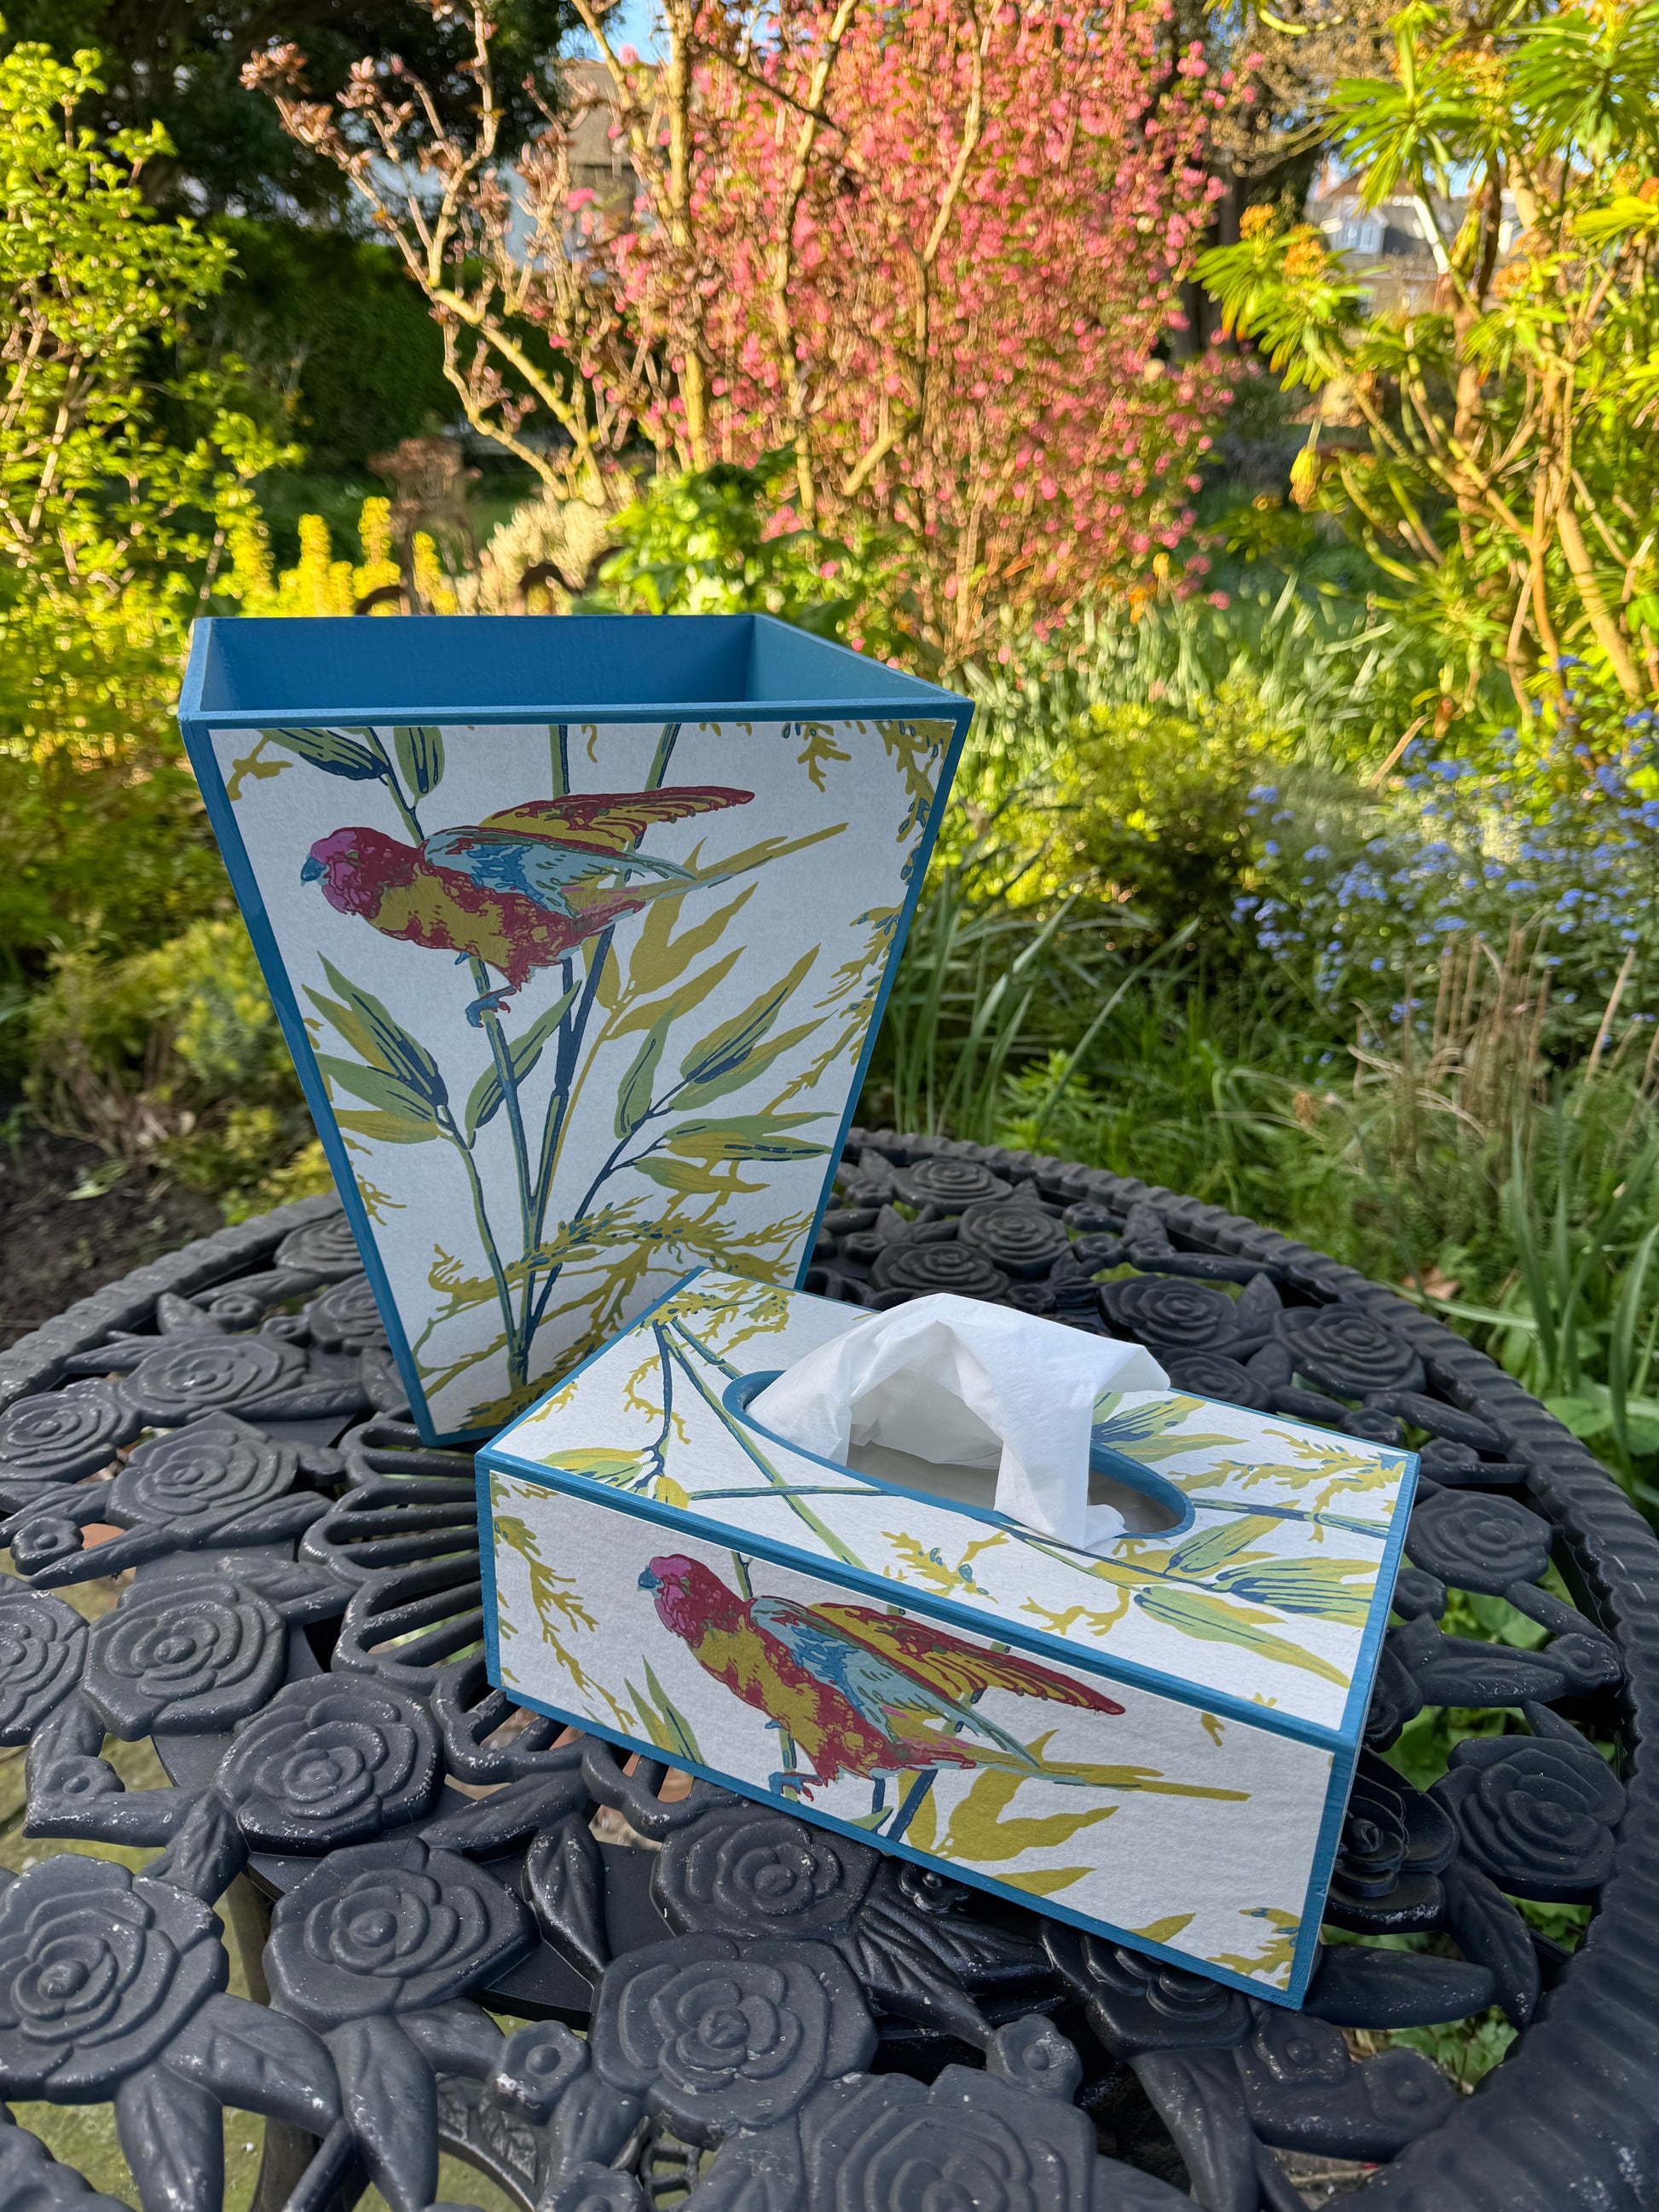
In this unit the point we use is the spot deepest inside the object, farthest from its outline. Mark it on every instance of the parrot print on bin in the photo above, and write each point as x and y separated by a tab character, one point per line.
859	1691
562	1043
518	891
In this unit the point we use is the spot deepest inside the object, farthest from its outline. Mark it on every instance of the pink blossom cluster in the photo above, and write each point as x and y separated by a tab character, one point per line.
935	254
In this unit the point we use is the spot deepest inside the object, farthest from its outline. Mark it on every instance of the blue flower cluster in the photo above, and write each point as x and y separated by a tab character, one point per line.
1349	888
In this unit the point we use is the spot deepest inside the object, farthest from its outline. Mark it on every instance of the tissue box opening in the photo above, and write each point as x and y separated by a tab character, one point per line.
975	1487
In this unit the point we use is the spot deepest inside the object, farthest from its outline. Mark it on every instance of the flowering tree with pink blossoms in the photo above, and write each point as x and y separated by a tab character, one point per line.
932	253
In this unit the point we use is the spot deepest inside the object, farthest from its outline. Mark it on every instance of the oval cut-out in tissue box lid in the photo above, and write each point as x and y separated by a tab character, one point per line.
1152	1738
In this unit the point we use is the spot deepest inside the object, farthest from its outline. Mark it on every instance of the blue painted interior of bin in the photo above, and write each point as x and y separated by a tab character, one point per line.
481	668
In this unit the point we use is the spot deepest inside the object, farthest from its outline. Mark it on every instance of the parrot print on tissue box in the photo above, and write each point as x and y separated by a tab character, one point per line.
1152	1739
579	929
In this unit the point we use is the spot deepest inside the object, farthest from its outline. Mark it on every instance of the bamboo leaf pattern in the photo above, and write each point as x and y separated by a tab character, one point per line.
1214	1620
332	751
665	937
390	1094
1271	1959
916	749
667	1726
377	1037
670	1010
634	1091
979	1835
744	1137
727	1047
659	958
385	1128
488	1095
557	1605
746	1070
420	755
692	1180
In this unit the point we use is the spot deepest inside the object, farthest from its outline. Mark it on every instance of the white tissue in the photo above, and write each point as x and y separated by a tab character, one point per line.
955	1382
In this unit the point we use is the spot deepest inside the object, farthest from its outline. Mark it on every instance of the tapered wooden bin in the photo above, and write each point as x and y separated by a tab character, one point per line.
579	928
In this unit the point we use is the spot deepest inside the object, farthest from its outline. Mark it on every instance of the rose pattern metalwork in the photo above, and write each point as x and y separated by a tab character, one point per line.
185	1659
1395	1844
1032	2054
538	2064
346	1317
42	1646
330	1762
1348	1352
1023	1241
184	1376
1166	1314
744	1871
1535	1814
589	2186
64	1436
325	1248
1137	2004
970	2141
1481	1543
98	1969
1214	1375
923	1270
390	1928
214	1469
717	2036
948	1183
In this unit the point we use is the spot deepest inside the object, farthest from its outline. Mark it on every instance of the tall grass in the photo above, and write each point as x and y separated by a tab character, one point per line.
1306	637
1437	1147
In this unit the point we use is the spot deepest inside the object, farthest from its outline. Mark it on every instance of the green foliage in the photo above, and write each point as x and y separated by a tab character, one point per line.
175	1054
101	834
1145	806
707	543
1294	627
180	66
124	494
93	497
333	319
1504	475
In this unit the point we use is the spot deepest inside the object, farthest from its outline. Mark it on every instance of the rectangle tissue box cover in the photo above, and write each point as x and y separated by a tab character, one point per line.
1155	1743
579	928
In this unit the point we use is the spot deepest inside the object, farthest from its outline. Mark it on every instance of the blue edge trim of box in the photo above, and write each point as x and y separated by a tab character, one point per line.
1343	1743
196	729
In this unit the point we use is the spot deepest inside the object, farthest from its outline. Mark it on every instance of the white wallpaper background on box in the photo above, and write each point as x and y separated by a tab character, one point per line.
696	966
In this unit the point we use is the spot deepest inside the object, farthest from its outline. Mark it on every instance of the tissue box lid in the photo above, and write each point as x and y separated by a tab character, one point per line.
1268	1601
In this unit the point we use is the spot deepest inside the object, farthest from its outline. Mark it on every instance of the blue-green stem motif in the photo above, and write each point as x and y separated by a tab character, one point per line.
689	1158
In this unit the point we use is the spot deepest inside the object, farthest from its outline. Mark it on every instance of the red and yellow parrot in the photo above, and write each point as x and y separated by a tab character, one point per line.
518	890
859	1691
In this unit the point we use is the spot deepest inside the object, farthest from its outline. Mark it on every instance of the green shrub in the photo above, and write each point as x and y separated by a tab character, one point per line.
175	1055
333	319
708	542
1145	807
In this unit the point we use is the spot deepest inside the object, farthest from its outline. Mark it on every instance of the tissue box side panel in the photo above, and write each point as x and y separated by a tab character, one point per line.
1136	1815
1273	1595
532	1027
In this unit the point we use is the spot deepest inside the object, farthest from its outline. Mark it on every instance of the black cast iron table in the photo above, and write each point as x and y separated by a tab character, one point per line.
707	2001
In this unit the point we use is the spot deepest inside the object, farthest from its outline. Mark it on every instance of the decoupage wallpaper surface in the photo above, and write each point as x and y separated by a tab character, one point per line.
1173	1825
1263	1598
588	1001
